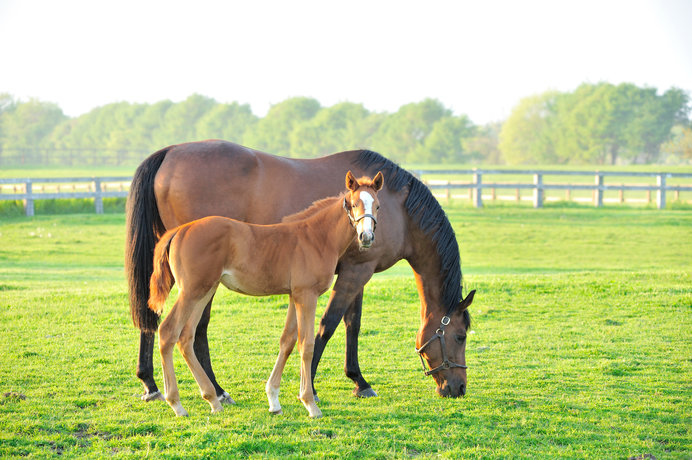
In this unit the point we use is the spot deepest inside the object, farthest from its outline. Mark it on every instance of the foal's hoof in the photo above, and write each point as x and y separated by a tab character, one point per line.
366	393
278	412
155	396
317	399
225	398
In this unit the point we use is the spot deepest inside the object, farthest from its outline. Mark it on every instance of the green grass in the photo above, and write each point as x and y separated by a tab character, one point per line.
580	348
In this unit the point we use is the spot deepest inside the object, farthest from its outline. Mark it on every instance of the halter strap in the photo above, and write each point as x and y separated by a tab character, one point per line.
439	334
354	221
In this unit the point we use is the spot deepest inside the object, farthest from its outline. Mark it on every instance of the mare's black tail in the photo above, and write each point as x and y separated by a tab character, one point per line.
144	227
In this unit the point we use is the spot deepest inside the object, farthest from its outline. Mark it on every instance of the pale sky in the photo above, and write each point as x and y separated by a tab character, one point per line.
478	58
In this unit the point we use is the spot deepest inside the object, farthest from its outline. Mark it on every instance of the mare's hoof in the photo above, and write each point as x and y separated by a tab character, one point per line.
155	396
367	393
225	398
317	399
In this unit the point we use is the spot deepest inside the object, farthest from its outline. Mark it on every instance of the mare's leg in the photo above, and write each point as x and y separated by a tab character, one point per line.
348	285
305	315
185	343
202	352
286	345
352	367
145	366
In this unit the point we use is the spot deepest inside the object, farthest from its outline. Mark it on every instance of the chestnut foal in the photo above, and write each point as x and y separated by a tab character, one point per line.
296	257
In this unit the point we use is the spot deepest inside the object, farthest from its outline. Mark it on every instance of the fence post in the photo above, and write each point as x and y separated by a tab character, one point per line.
29	200
478	190
98	197
598	191
538	191
661	192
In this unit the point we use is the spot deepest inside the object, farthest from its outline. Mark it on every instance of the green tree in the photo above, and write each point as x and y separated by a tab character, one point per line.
226	121
527	137
402	135
272	133
27	125
483	145
339	127
446	143
179	121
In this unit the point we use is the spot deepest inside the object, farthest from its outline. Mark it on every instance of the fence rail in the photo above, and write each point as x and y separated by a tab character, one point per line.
29	190
539	185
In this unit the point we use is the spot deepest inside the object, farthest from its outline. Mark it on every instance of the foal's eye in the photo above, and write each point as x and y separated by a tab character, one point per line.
460	339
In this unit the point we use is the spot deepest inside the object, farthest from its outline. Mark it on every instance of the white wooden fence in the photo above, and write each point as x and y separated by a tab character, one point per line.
97	188
30	190
538	185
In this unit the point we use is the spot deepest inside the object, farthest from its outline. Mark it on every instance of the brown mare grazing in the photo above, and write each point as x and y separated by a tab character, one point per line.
185	182
297	258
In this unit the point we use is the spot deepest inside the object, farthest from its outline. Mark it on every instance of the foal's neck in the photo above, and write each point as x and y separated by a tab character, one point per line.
335	229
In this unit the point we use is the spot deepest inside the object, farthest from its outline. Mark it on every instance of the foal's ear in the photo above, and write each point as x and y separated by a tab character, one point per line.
378	181
351	182
464	304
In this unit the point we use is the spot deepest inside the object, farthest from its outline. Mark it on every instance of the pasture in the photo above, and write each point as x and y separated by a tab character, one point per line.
580	348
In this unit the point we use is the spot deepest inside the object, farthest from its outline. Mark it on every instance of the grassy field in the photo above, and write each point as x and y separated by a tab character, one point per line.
580	348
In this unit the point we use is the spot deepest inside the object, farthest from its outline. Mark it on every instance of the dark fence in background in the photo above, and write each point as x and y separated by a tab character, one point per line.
71	157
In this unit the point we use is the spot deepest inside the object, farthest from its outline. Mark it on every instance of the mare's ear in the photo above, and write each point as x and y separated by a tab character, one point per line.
464	304
378	182
351	182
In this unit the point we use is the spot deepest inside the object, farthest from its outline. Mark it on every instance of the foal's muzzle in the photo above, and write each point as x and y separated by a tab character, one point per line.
366	239
365	236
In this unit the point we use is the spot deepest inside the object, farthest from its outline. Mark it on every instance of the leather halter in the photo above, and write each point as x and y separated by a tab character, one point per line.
439	334
354	220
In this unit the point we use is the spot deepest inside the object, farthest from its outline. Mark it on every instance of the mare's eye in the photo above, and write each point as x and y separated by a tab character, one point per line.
460	339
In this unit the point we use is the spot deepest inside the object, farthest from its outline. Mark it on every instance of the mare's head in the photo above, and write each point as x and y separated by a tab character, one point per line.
441	344
361	205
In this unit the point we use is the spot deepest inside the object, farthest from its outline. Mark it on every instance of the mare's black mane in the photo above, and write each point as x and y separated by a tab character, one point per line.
427	213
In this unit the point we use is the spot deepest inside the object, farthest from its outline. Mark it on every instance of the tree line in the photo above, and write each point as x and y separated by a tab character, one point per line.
595	124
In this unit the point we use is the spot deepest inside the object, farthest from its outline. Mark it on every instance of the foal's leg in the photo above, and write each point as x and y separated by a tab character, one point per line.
286	344
305	314
169	333
185	343
202	353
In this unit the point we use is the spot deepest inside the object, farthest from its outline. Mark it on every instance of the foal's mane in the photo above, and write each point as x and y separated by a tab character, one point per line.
312	209
427	213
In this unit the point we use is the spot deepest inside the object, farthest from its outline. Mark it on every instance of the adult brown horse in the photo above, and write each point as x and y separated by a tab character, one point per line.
297	257
185	182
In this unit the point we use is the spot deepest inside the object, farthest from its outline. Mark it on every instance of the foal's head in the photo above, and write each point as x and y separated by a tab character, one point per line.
361	204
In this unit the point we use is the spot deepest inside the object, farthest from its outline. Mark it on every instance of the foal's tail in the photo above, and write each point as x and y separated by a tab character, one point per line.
144	226
162	279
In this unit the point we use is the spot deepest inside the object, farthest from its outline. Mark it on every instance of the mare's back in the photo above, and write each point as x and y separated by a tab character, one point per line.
221	178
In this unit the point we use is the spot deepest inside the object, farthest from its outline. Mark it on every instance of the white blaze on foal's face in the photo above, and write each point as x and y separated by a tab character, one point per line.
365	225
